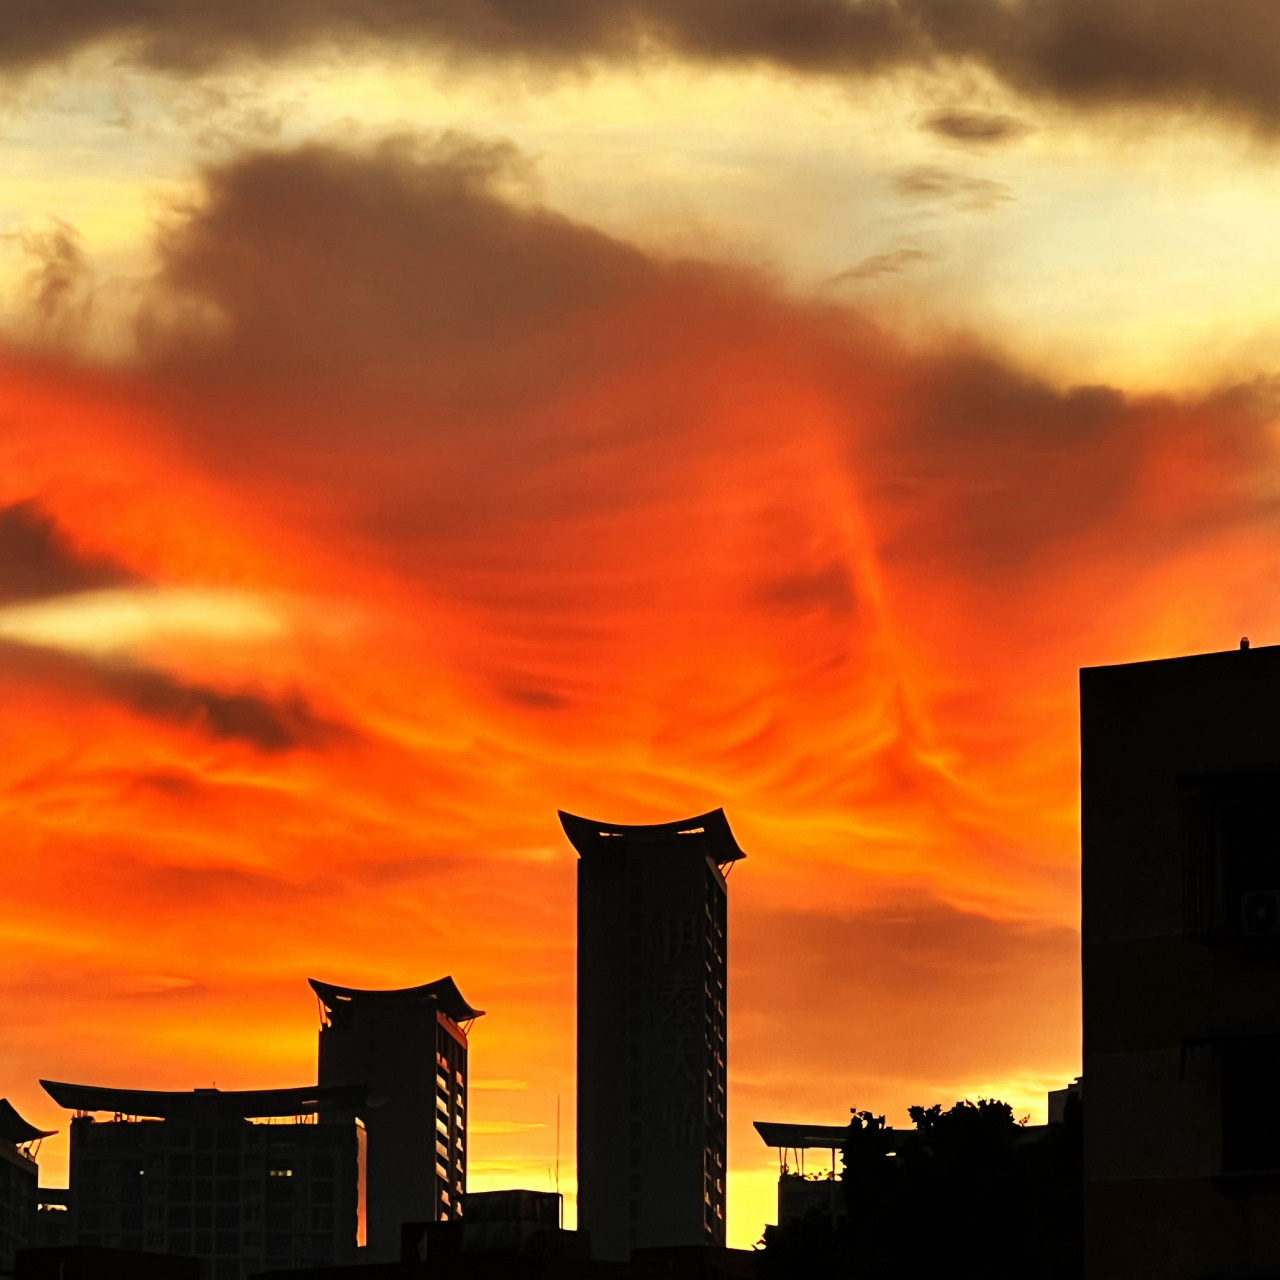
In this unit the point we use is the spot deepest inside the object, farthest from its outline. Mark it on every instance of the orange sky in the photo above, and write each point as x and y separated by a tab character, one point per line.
405	507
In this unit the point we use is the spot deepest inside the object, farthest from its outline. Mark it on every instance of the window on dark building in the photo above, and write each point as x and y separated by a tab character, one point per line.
1231	840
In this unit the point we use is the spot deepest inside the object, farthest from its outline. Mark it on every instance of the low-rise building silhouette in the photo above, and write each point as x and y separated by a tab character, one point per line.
652	1031
91	1262
53	1218
19	1182
516	1235
1181	966
240	1180
409	1048
803	1190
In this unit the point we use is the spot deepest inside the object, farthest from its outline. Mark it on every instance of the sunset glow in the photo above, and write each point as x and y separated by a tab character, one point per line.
380	473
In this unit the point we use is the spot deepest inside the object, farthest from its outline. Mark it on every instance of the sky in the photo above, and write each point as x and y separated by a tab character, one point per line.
419	416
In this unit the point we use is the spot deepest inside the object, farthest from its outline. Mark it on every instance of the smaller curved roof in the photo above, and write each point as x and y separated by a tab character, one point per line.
793	1137
443	993
243	1104
711	830
13	1128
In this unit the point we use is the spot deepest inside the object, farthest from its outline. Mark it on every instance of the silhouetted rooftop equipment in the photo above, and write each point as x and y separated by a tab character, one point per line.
244	1104
589	836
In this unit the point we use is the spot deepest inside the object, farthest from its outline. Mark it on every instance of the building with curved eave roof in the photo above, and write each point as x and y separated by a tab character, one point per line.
652	1022
409	1046
243	1180
19	1142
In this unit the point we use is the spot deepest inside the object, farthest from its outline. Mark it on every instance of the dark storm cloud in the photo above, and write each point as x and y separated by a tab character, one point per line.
270	725
1217	52
37	559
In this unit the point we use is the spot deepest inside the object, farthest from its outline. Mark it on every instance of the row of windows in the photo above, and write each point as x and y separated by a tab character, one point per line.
223	1163
280	1190
157	1136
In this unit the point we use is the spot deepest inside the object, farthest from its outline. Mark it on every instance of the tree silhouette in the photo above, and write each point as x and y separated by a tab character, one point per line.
969	1190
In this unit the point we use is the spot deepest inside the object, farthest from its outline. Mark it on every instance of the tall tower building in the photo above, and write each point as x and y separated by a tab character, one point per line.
652	949
409	1047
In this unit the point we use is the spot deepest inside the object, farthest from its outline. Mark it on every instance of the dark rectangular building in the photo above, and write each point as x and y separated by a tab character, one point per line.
652	1023
1181	966
191	1174
409	1048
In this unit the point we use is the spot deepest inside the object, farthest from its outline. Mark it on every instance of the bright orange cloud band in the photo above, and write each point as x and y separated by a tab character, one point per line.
424	512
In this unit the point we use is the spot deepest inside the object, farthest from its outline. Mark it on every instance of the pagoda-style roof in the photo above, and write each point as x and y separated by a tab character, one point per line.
443	993
710	830
242	1104
13	1128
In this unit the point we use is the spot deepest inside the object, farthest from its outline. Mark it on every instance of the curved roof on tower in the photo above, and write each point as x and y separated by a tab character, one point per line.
243	1104
442	993
589	836
13	1128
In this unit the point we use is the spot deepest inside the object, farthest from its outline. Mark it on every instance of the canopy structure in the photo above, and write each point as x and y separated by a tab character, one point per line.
589	836
443	993
14	1129
243	1104
799	1137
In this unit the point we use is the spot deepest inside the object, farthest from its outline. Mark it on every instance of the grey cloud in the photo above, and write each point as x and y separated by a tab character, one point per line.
929	182
268	724
976	128
423	330
326	264
37	559
892	263
1220	53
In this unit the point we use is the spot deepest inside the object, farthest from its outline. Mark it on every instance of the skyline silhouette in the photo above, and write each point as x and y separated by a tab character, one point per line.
419	417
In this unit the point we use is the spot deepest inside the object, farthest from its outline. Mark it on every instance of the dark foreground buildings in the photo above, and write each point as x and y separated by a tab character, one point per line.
516	1235
409	1048
652	948
193	1174
1181	960
18	1183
